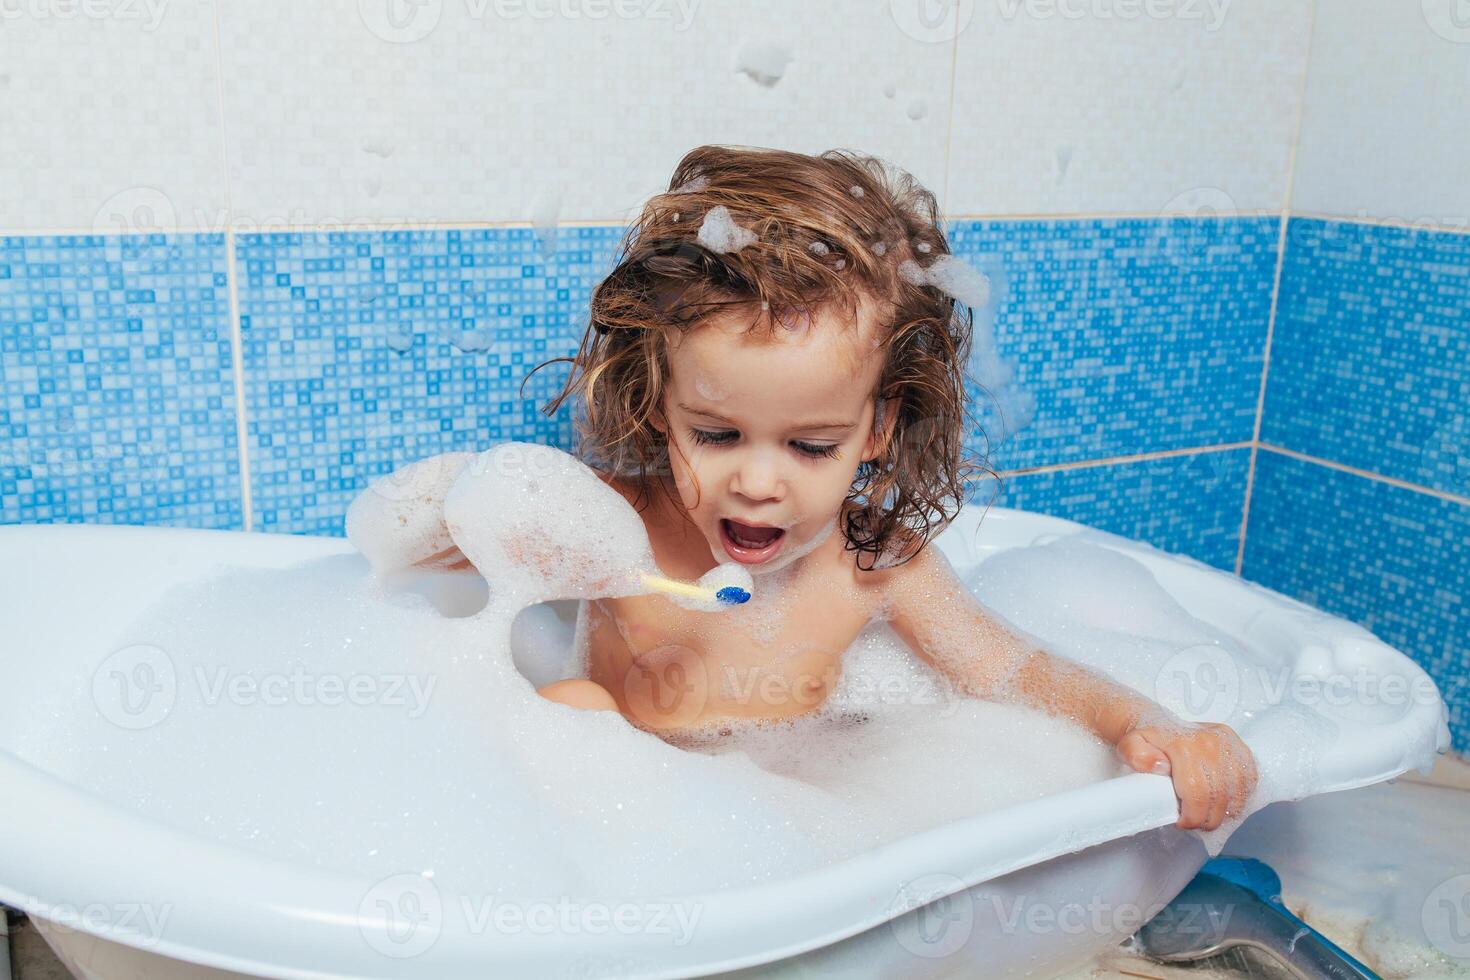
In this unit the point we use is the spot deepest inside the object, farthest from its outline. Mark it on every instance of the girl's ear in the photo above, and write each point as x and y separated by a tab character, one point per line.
877	442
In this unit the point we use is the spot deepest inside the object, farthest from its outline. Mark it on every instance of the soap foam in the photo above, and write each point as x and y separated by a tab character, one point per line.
764	62
719	232
730	575
455	765
541	525
1008	407
399	519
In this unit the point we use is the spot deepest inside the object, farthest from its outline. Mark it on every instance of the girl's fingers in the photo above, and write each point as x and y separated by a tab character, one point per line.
1213	776
1142	755
1194	801
450	559
1219	800
438	556
1241	791
1242	772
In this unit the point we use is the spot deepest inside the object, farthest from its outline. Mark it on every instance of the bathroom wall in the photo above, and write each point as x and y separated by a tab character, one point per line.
252	255
259	253
1361	496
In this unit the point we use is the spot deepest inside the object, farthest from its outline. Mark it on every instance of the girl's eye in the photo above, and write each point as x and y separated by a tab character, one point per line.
704	438
724	437
815	451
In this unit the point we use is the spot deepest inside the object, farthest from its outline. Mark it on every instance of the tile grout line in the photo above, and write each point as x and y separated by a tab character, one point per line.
1123	460
359	227
1281	243
1439	228
1059	216
1393	481
237	344
237	357
954	59
310	227
1255	441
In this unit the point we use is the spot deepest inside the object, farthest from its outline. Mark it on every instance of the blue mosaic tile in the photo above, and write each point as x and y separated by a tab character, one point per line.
1134	335
364	351
1189	504
1370	359
117	396
1395	561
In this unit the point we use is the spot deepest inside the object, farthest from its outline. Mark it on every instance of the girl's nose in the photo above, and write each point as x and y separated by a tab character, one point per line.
758	478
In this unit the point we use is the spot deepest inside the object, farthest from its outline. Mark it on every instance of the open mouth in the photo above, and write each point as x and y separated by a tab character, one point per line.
750	544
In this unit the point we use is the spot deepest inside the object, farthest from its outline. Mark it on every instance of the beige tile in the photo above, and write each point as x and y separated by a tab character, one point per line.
1450	770
31	958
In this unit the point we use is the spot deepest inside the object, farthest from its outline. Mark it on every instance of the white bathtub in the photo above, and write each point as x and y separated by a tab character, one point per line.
90	872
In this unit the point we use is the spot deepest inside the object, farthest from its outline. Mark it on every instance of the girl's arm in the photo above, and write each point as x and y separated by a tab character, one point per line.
1213	771
397	521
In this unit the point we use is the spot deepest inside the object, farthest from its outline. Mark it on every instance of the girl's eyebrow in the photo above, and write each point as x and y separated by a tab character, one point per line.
809	425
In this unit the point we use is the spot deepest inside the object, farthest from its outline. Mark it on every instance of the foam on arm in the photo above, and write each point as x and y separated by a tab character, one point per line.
398	520
945	625
540	524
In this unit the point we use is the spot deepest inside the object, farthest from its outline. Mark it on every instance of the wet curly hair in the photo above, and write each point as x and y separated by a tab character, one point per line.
828	229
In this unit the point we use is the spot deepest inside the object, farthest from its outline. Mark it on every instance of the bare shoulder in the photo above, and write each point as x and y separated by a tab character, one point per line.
879	584
926	572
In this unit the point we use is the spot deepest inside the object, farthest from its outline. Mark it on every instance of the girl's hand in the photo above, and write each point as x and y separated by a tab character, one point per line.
1214	771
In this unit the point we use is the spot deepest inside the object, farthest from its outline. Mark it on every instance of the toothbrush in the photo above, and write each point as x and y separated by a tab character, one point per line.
729	595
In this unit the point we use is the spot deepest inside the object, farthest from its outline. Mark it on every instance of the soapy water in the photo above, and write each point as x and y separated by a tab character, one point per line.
406	731
449	763
1136	633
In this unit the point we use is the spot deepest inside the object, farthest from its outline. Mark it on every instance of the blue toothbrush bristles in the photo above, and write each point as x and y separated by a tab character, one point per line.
732	595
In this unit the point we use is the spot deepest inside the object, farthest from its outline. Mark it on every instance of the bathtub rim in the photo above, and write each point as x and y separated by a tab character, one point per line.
1131	804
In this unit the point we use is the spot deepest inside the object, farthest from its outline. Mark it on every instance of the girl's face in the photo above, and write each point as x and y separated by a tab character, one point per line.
765	436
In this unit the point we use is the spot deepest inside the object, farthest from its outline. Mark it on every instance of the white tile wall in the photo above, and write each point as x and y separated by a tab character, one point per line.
1386	132
109	116
490	117
1074	106
121	114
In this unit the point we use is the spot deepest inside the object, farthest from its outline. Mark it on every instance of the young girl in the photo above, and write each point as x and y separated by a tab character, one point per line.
774	375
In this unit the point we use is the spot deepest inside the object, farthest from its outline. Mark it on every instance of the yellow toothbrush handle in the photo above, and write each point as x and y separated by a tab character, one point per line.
657	583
